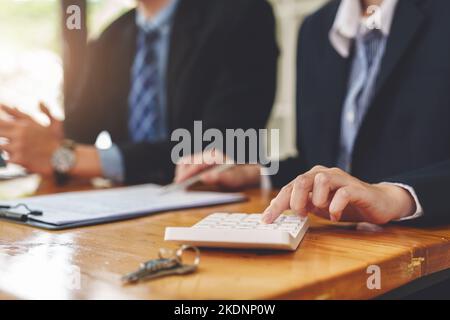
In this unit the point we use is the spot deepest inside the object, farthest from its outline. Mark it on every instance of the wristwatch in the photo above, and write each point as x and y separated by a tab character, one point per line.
63	161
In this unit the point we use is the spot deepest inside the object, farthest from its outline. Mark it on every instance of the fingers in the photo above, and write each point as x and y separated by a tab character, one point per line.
5	124
7	129
192	165
8	148
214	178
13	151
44	109
344	197
315	188
313	192
237	177
230	178
302	186
213	157
186	171
183	168
278	205
321	190
14	112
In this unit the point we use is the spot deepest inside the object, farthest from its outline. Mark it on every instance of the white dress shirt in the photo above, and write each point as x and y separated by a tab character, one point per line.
349	19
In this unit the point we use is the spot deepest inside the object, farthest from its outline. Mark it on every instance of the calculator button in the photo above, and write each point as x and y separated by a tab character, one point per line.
292	219
213	219
236	216
208	222
286	228
249	223
253	217
266	227
290	224
228	223
244	227
280	219
202	226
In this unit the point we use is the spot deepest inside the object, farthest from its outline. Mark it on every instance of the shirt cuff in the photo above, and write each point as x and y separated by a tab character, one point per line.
266	183
419	209
112	164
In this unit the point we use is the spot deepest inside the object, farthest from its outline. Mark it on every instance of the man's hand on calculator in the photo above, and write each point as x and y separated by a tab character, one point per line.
336	195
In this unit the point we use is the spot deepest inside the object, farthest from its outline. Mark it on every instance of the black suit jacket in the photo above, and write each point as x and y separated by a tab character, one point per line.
406	132
221	70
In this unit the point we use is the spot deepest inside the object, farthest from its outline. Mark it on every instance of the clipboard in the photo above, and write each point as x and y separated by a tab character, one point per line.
80	209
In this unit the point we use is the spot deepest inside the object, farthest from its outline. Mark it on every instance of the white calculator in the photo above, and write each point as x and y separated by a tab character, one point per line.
242	231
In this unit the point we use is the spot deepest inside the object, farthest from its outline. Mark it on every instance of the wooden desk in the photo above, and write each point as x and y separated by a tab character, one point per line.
331	262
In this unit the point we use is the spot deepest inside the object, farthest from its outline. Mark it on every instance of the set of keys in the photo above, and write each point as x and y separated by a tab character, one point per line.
169	263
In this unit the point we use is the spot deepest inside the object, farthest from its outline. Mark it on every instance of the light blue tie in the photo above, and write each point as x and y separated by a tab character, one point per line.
366	65
145	119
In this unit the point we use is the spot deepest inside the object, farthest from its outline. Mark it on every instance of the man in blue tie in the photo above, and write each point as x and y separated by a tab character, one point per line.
158	68
373	104
146	98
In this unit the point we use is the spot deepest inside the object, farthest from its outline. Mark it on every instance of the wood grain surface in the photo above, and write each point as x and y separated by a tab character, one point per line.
331	262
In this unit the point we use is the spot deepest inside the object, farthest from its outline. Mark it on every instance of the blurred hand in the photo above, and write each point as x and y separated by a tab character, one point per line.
55	125
240	176
336	195
30	144
192	165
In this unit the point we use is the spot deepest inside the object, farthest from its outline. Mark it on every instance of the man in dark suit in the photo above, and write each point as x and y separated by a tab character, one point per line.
373	112
156	69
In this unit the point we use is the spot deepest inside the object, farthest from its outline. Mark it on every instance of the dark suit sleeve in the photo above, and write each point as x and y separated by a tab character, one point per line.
241	96
246	85
147	162
431	185
84	119
294	166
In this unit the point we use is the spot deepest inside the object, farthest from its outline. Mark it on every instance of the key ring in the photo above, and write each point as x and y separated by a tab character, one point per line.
170	262
168	254
179	254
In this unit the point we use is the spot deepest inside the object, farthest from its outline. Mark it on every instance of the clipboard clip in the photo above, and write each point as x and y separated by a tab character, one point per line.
7	212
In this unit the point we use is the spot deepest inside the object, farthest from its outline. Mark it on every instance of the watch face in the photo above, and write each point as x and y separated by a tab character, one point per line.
63	160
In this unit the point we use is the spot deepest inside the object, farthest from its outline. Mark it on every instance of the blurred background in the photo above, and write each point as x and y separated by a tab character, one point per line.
34	50
32	47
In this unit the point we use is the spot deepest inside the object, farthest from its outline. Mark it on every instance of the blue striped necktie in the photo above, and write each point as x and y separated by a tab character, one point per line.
372	42
366	65
144	102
